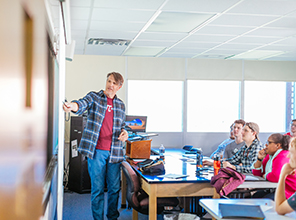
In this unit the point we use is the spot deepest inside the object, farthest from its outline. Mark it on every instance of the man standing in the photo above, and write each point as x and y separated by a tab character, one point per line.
247	155
102	143
292	133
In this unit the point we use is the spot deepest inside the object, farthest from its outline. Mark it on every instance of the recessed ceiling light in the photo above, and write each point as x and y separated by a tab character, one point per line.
102	41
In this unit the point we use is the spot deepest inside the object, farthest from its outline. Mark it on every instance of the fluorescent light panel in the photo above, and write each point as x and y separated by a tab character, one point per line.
177	22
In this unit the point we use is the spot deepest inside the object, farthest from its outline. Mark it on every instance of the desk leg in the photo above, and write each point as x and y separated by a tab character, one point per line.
135	215
123	190
215	196
152	202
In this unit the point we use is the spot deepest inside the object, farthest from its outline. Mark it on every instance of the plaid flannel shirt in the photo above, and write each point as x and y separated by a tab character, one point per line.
95	103
246	156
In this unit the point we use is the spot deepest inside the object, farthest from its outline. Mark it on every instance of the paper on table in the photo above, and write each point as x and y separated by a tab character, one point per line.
172	176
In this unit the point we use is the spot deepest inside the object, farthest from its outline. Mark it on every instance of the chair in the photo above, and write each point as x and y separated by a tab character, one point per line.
137	198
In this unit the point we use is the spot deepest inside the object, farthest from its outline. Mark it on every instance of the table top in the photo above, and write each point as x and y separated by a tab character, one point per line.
267	206
181	168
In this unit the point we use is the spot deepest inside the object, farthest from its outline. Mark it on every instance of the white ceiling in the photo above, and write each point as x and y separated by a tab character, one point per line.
220	29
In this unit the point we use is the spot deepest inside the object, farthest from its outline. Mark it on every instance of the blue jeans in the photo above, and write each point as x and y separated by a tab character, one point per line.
100	169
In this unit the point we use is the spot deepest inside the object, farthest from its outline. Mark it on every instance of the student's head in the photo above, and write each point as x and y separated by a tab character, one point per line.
293	127
292	153
277	141
238	126
250	132
113	84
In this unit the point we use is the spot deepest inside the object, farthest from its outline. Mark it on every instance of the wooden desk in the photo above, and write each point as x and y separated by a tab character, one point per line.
190	186
267	206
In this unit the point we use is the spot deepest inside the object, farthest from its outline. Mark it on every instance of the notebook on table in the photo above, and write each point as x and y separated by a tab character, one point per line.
229	211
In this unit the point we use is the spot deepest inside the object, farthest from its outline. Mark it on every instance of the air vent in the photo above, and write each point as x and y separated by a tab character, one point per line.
113	42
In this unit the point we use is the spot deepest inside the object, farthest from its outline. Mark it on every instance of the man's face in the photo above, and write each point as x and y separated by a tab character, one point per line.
237	129
293	127
248	134
292	156
111	87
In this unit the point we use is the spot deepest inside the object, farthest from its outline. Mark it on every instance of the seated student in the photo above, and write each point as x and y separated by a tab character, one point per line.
269	163
222	146
292	133
247	155
282	204
231	148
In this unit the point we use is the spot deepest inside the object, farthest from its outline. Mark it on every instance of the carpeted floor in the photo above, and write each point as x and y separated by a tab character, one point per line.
77	207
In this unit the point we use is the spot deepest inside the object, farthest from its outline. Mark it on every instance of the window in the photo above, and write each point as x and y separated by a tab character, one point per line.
160	101
265	104
212	105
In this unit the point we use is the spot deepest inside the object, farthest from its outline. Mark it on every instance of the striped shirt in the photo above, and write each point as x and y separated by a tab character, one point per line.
95	103
246	156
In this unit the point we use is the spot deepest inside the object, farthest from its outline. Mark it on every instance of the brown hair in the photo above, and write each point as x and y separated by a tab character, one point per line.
240	121
284	140
117	77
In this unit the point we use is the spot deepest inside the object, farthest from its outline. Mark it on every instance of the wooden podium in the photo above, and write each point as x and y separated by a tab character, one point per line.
138	149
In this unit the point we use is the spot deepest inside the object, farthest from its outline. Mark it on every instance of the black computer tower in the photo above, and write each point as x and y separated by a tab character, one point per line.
78	180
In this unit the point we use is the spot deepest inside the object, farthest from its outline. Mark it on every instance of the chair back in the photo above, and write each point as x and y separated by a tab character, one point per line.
133	185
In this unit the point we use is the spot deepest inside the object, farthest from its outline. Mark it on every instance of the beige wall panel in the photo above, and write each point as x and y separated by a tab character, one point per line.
156	68
270	70
88	73
212	69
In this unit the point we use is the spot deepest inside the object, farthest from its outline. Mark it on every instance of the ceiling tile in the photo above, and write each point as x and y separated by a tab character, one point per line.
209	38
143	51
286	22
128	35
223	30
273	32
209	6
113	25
264	7
177	22
104	50
122	15
161	36
147	43
242	20
80	13
129	4
79	24
255	40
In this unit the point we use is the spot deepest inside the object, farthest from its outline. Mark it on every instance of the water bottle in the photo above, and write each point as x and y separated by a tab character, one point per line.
161	152
217	164
199	157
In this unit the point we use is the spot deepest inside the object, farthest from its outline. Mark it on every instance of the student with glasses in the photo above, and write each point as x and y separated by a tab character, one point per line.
284	204
292	133
269	163
247	155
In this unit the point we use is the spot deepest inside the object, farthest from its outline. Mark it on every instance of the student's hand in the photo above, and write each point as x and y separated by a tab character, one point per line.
262	154
123	136
227	164
207	163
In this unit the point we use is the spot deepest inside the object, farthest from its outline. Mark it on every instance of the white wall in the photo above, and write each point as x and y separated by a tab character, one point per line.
86	73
